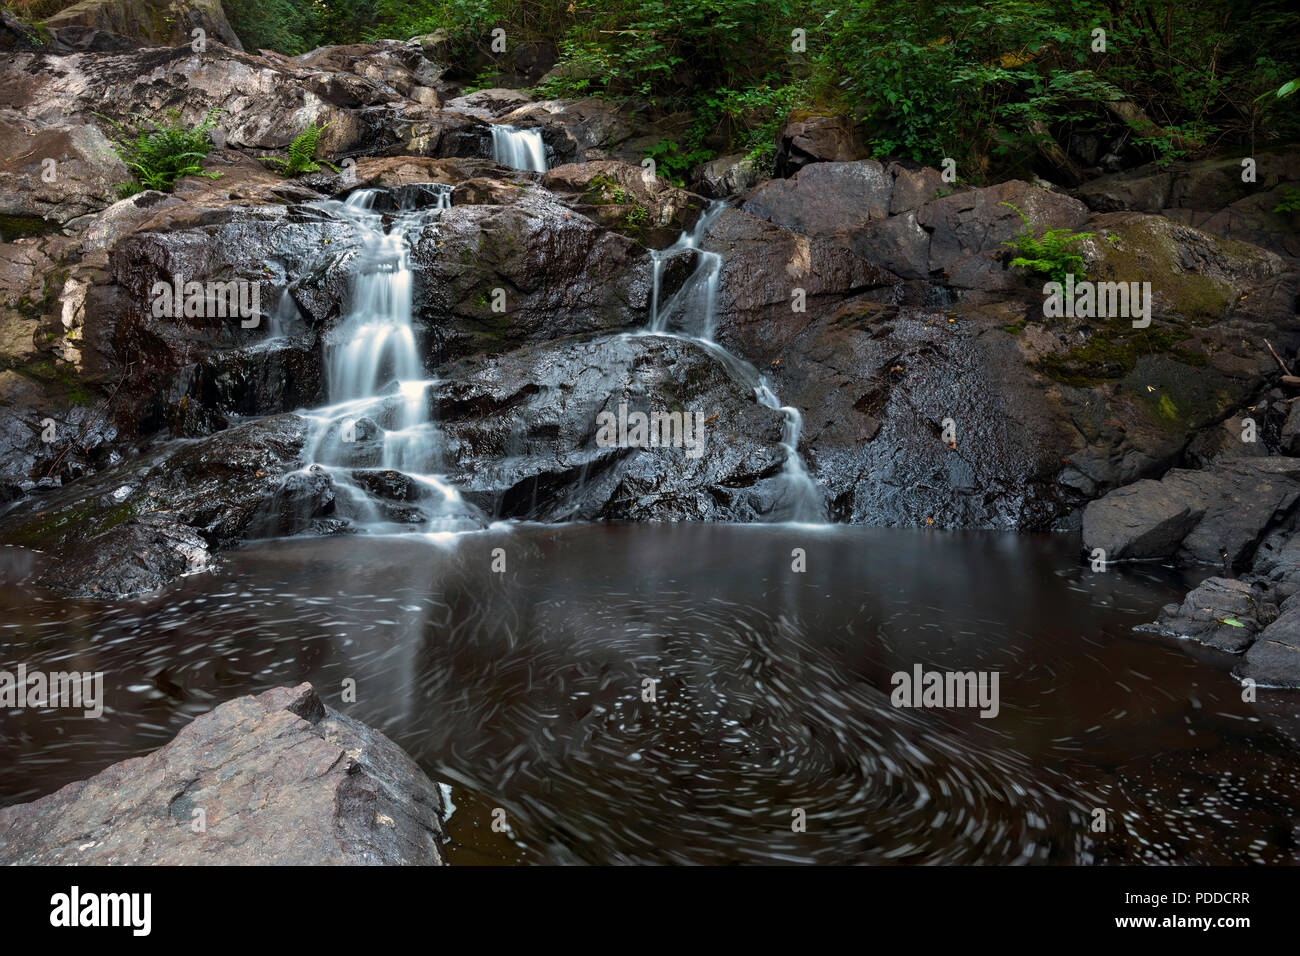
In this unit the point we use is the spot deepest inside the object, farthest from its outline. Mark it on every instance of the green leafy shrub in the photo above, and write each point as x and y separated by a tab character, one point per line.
302	153
1049	254
164	151
1290	199
991	83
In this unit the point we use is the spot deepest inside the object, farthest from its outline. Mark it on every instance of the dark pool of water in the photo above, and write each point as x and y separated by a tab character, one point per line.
523	690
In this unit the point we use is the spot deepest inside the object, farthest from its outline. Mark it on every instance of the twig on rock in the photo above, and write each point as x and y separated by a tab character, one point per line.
1278	357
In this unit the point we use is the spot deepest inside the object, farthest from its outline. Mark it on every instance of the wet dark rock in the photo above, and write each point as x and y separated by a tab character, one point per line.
560	272
812	138
881	386
1222	612
80	441
279	779
303	500
762	266
626	199
959	239
191	374
826	198
216	487
1277	563
138	555
520	433
1274	659
1217	516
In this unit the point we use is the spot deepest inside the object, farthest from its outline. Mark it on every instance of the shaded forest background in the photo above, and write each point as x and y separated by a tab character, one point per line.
987	83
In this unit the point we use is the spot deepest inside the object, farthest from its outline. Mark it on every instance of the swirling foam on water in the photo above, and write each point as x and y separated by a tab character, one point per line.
523	691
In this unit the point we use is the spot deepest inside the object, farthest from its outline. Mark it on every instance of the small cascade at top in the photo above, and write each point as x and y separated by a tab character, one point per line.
377	440
692	309
520	148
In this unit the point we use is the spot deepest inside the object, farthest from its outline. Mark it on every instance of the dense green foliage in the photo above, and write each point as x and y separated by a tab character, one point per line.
159	153
987	83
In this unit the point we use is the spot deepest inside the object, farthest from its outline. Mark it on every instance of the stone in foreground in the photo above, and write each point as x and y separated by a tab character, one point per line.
1274	659
280	778
1223	612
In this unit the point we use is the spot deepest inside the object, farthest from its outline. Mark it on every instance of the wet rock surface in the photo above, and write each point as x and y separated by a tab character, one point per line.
1217	516
276	779
156	516
521	433
1224	613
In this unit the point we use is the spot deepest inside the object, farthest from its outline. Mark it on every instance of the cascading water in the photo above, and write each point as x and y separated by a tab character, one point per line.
376	440
520	148
691	308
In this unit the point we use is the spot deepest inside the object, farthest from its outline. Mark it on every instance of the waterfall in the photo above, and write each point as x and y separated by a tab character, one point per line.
376	439
520	148
692	309
695	300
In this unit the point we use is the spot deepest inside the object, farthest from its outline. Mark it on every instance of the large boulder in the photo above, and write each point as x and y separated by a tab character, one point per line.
401	66
521	433
1210	195
150	22
560	272
808	138
1218	516
54	171
1274	659
276	779
924	418
773	282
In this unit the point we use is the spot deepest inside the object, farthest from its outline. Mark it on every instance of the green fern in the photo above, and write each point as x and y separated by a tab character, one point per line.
1049	255
302	153
1290	197
159	153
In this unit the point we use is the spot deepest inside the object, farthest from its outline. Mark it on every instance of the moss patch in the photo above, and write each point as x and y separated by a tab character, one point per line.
1113	352
49	372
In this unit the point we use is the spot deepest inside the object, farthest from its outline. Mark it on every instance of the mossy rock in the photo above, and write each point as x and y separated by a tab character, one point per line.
1195	277
1114	351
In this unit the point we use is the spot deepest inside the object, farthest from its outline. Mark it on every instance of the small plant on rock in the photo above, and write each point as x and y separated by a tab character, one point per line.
1290	196
302	154
1049	254
164	152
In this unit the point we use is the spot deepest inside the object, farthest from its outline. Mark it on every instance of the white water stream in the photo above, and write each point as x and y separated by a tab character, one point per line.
692	309
520	148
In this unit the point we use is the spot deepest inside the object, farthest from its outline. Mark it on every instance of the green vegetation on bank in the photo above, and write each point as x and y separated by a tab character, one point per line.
991	83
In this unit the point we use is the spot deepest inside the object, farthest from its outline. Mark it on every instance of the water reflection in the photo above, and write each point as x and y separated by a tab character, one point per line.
524	691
